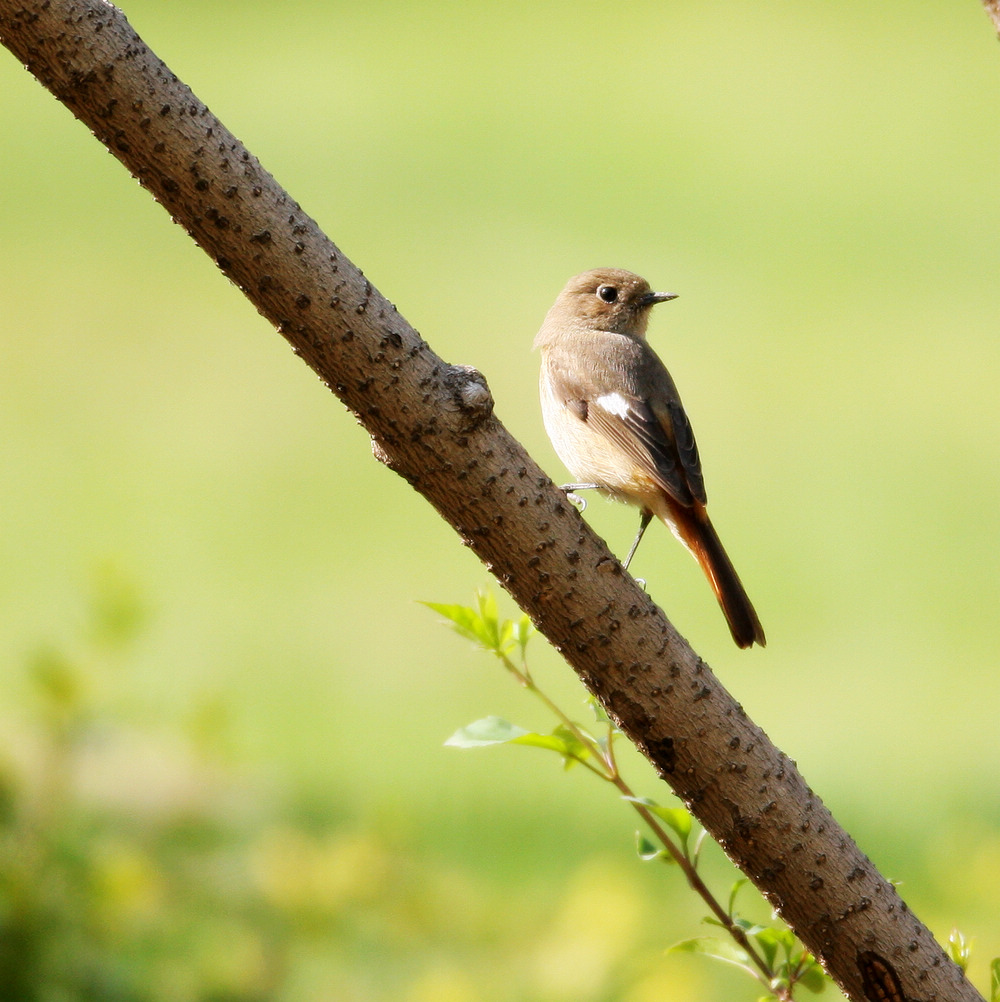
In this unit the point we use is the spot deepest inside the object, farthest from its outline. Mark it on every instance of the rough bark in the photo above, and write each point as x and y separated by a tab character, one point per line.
434	424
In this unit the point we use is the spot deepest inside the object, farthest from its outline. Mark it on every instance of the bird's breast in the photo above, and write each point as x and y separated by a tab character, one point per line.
588	455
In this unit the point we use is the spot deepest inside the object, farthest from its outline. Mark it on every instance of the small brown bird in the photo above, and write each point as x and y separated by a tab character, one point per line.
617	422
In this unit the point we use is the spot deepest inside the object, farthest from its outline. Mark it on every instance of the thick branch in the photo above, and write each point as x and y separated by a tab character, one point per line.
433	423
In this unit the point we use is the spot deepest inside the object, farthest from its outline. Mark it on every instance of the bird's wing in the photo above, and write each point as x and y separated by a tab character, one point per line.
687	448
658	439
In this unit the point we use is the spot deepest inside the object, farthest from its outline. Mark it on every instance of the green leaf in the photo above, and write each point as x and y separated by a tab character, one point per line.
491	626
748	927
733	891
505	636
482	625
995	980
719	949
551	741
464	621
574	746
523	630
497	731
597	708
488	731
813	978
645	849
677	819
487	604
768	941
782	938
959	948
698	843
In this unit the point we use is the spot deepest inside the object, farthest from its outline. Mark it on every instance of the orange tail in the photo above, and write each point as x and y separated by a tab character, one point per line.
700	537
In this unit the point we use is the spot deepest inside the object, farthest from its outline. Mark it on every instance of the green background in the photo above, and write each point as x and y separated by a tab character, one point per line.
203	570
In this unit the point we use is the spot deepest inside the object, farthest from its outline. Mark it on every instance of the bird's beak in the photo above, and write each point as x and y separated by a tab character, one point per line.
652	298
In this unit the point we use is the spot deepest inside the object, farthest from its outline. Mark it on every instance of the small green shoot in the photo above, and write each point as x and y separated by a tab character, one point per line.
677	819
959	948
773	956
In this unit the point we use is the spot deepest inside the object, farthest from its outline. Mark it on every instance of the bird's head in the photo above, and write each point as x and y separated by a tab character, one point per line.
607	299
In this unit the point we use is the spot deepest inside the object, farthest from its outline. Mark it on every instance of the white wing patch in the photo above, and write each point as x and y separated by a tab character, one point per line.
614	403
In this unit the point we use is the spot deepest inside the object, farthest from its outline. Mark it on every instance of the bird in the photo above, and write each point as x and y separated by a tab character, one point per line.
617	423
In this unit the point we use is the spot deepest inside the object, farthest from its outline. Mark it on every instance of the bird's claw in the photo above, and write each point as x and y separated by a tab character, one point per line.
574	499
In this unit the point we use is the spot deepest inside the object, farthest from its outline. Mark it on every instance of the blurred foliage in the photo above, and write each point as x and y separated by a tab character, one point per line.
141	866
818	184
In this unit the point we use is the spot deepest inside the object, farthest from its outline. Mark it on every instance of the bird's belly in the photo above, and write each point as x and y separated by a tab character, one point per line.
592	459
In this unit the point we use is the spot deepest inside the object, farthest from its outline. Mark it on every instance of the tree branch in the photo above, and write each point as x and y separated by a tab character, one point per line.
993	9
433	423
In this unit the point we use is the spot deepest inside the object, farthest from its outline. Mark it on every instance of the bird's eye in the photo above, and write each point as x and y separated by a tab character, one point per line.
608	293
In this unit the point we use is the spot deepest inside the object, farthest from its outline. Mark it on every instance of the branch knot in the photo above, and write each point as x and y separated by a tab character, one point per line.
471	394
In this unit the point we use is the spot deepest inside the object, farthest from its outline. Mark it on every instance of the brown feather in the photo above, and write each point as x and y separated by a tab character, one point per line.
692	525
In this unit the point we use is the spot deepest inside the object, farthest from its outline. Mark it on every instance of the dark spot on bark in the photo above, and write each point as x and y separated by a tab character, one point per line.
662	753
879	978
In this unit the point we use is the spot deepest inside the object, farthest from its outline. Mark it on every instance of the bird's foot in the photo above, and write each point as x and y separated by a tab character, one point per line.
574	499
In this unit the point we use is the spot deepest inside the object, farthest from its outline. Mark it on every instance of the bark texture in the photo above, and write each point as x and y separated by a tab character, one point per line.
433	423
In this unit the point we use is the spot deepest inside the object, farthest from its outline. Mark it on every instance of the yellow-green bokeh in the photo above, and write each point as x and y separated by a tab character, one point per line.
817	182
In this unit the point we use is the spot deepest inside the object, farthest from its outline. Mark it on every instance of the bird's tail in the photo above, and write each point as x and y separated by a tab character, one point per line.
699	536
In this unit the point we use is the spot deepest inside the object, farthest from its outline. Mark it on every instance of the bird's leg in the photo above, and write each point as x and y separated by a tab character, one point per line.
644	520
572	496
